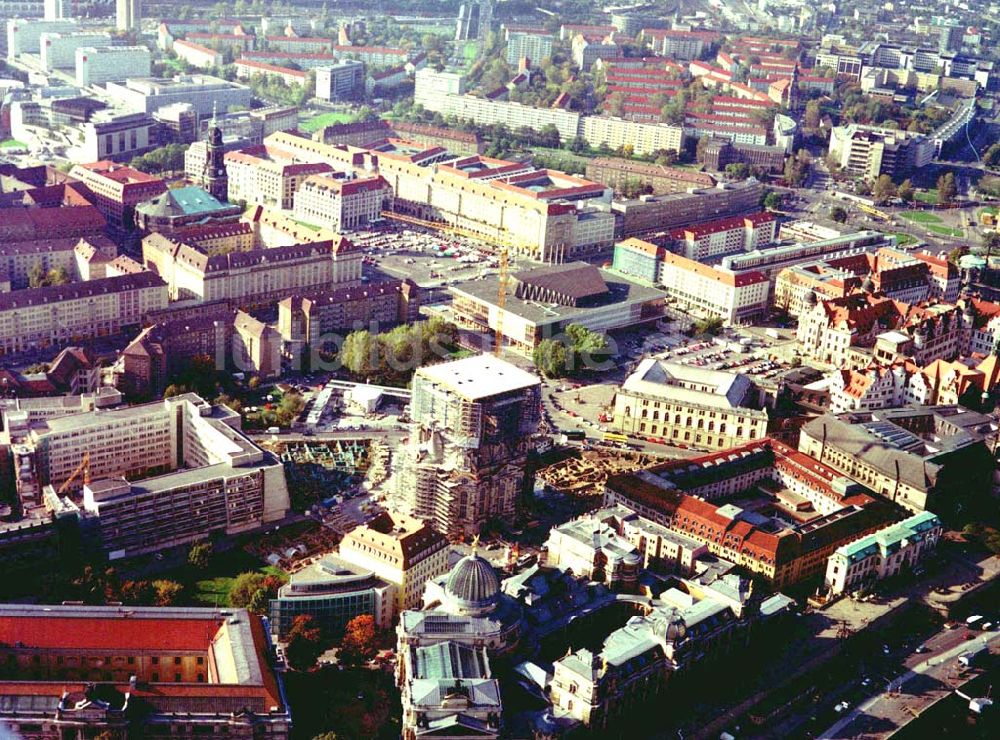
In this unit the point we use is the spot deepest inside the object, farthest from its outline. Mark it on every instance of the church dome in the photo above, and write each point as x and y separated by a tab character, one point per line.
472	585
670	627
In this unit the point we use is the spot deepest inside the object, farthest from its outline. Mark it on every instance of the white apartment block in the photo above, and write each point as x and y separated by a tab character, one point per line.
644	138
40	317
197	55
888	552
24	35
195	473
341	205
737	298
96	65
536	47
727	236
58	50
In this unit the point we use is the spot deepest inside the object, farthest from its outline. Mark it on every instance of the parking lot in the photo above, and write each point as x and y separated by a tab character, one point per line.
429	258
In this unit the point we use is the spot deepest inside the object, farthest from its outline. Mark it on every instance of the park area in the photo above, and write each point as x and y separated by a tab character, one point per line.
321	121
931	222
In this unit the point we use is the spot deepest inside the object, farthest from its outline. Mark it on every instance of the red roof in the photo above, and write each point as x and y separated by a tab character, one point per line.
93	633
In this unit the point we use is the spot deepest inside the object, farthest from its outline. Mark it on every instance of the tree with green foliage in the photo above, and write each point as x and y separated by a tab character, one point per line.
991	157
550	357
811	117
711	325
200	555
738	171
773	201
991	244
884	189
358	645
304	643
906	191
947	189
838	214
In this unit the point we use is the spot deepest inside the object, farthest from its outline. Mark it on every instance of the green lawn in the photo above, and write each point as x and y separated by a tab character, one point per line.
920	217
469	52
215	591
561	158
945	231
927	196
325	119
12	143
904	239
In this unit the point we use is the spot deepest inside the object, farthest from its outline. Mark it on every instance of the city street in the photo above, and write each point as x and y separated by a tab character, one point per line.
928	677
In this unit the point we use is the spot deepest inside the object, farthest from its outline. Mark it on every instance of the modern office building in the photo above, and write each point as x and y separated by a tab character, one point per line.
128	15
203	92
118	137
159	475
333	591
400	550
70	671
895	550
867	151
473	420
342	81
97	65
707	409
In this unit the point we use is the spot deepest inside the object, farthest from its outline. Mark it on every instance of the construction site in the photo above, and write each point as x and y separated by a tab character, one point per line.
585	472
324	472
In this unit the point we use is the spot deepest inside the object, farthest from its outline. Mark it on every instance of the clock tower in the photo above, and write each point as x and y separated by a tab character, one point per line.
214	178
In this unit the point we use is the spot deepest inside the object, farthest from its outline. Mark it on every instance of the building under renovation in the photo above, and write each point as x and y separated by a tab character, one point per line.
473	421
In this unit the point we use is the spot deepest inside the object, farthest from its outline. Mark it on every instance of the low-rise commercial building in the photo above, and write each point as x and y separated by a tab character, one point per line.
709	409
541	303
203	92
892	551
662	213
332	591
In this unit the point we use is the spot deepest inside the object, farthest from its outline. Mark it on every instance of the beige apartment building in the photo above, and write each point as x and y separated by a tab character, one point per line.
39	317
342	205
255	177
401	550
259	276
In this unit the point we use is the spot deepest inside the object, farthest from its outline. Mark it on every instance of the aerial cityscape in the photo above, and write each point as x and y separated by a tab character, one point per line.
482	369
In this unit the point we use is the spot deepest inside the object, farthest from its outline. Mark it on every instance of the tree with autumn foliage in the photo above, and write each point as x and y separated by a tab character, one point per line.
359	643
304	643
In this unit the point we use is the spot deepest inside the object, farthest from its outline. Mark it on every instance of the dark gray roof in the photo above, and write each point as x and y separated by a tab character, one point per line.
473	582
574	279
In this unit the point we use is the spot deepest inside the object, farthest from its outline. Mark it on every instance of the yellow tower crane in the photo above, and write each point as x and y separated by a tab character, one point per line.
501	300
83	467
